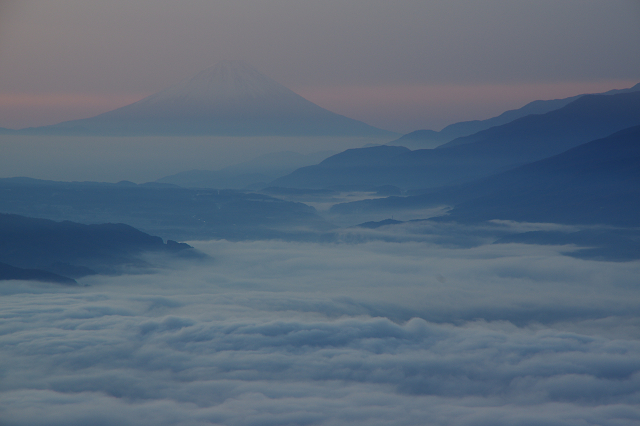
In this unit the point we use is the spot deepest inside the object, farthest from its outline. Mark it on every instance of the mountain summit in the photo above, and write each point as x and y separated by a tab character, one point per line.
230	98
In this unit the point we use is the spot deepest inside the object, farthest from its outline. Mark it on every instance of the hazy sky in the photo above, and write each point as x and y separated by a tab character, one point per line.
400	65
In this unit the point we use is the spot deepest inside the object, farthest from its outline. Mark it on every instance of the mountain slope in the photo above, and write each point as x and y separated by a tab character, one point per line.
230	98
8	272
71	249
594	183
360	167
488	152
590	117
431	139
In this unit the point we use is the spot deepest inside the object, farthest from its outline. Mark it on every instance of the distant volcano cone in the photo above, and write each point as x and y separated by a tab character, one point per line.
230	98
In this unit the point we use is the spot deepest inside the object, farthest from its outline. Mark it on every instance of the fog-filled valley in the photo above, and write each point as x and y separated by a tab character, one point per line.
270	332
224	251
292	314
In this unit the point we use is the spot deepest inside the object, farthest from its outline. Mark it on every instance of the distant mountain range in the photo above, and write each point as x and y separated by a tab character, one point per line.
229	99
594	183
430	138
159	209
594	187
490	151
572	161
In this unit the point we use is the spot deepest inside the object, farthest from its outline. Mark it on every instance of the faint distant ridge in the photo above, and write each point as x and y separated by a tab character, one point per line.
250	174
432	138
228	99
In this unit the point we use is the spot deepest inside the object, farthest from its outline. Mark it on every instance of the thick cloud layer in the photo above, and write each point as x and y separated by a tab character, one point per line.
376	333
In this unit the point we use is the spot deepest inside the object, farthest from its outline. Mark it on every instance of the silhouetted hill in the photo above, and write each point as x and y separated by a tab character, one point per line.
488	152
431	139
8	272
231	98
74	249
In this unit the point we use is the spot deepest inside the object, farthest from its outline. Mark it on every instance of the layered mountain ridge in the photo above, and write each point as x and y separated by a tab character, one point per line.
491	151
431	138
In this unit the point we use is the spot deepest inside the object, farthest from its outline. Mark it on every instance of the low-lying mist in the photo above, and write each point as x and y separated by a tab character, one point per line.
147	158
375	333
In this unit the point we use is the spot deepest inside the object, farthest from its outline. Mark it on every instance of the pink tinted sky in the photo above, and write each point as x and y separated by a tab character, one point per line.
398	108
400	65
407	108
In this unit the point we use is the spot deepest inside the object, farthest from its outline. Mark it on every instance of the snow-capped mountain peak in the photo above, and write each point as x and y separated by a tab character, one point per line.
229	80
230	98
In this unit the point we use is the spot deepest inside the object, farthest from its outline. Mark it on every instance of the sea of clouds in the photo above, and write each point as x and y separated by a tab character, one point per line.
368	333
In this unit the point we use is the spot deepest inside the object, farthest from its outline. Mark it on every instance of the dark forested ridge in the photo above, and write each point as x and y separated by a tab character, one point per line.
8	272
72	249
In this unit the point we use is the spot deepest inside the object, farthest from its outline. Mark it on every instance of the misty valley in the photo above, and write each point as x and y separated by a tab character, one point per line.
485	274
